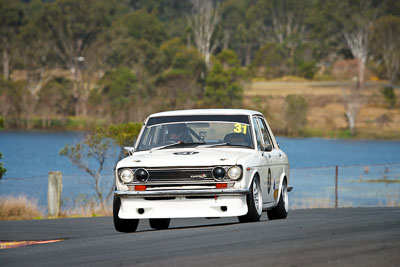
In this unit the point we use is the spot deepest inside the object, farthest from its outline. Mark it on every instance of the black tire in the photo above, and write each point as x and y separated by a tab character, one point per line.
281	210
159	224
123	225
254	203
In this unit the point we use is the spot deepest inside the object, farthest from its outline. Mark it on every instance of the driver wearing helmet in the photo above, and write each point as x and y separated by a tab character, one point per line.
178	132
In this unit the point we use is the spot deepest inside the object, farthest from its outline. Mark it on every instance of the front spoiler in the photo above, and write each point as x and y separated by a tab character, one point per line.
178	193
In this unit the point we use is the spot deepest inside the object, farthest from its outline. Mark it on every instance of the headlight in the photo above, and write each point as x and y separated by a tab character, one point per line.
142	175
218	173
234	173
126	176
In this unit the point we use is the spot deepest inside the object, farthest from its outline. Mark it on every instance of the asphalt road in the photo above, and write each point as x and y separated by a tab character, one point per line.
318	237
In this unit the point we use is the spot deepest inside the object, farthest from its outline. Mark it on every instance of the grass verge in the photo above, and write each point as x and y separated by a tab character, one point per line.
19	208
24	208
90	209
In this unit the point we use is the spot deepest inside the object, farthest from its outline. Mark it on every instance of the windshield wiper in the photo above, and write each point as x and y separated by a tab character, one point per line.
227	144
180	143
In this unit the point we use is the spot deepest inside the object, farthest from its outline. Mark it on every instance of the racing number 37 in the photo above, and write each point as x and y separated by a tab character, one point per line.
239	128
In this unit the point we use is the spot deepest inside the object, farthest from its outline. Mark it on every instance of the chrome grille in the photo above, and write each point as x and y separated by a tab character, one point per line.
180	174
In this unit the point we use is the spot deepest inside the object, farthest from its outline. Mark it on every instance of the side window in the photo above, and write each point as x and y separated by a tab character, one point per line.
257	130
264	131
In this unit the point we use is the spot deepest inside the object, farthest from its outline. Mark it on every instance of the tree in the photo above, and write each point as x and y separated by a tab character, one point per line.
12	99
169	12
241	26
92	154
356	19
223	84
120	93
203	22
358	42
386	45
389	96
72	26
55	99
124	134
143	25
180	85
285	23
295	114
11	19
353	102
271	61
357	35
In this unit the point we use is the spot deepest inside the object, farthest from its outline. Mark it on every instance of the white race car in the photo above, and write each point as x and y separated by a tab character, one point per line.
201	163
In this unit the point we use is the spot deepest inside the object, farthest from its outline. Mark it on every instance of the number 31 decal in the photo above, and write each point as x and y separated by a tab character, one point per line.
240	128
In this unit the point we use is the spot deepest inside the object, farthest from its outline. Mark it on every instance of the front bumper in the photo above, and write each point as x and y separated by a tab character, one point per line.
187	192
182	203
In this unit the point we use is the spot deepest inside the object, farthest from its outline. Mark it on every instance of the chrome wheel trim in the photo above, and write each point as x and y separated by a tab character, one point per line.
257	197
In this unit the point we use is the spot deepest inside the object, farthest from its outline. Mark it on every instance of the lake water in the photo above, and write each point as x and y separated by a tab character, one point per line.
29	156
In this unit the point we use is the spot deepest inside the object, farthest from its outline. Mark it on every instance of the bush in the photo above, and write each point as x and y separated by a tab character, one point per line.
390	97
296	114
19	208
307	69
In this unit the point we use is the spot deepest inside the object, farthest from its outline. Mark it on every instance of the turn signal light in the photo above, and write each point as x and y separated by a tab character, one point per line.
221	186
140	188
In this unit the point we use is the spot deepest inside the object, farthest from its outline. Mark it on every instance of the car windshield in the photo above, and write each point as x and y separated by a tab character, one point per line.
193	131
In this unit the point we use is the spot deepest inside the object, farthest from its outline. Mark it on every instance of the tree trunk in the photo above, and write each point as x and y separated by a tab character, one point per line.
361	73
352	123
6	64
248	55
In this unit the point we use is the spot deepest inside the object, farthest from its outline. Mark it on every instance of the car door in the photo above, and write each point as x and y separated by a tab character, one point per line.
274	161
265	169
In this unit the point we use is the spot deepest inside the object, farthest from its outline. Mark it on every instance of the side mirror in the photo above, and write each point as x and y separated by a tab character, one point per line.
129	150
267	148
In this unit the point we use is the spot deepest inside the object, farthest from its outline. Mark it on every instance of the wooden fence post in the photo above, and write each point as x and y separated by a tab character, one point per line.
54	193
336	186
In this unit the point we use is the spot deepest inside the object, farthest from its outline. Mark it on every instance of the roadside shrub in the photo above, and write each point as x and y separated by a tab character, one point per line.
307	69
19	208
390	97
86	208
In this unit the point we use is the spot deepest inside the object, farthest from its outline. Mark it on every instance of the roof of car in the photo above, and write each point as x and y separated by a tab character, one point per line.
189	112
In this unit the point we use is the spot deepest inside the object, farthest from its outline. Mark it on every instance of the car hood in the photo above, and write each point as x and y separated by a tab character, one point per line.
185	157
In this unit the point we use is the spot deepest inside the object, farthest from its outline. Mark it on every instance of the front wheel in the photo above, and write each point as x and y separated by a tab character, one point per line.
254	203
159	224
123	225
281	210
